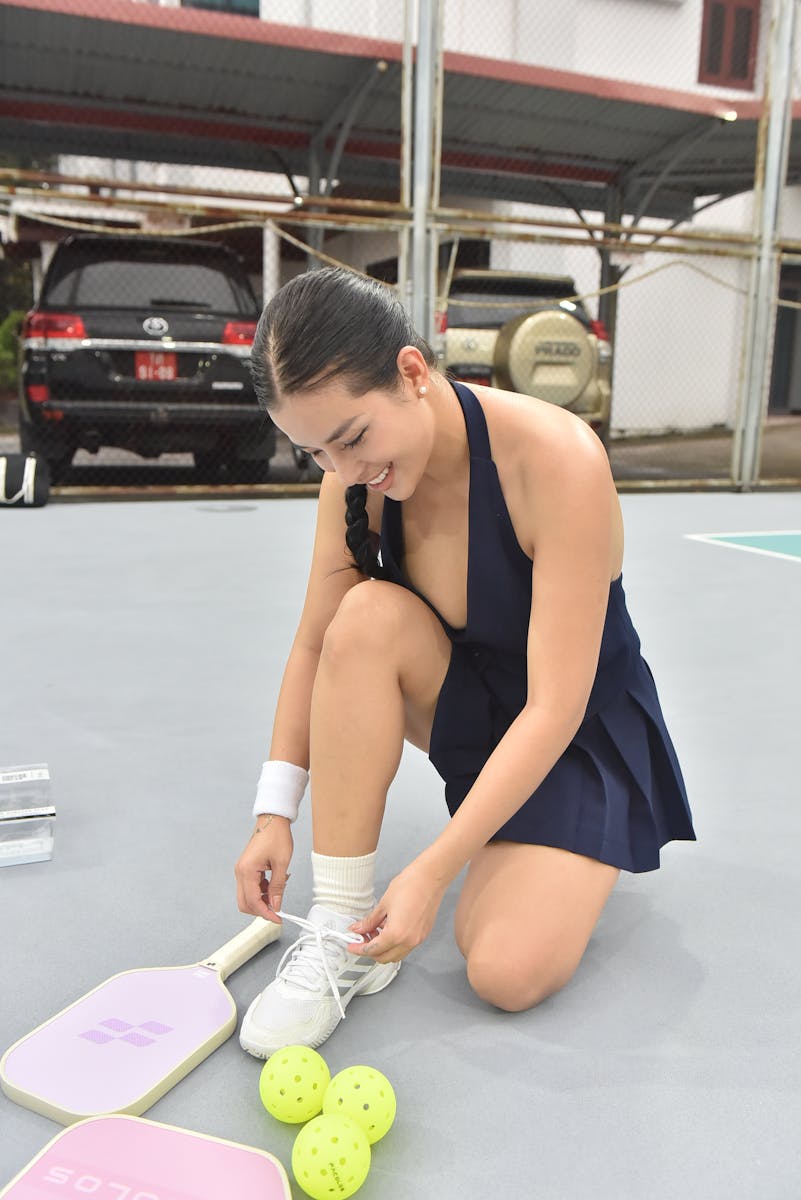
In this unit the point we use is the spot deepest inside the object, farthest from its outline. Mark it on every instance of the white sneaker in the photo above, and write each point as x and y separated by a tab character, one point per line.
315	982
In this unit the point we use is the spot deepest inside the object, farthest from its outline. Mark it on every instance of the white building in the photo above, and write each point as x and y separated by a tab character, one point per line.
686	314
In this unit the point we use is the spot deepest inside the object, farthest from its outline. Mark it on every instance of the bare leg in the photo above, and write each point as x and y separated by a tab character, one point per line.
381	669
524	918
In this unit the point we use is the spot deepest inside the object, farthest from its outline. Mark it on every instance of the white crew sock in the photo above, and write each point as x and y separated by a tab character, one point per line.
345	885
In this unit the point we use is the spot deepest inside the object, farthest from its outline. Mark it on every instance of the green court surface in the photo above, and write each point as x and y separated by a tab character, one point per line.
778	544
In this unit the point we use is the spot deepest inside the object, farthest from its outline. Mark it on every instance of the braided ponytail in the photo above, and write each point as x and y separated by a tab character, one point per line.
358	538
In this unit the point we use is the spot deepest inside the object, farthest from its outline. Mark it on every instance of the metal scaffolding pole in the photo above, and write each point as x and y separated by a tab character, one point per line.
407	94
770	176
343	116
425	123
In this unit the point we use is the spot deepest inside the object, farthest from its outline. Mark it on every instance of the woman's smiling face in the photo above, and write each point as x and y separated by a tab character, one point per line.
380	438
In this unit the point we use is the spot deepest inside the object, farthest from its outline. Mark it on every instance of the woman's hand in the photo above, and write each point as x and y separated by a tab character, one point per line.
403	917
269	849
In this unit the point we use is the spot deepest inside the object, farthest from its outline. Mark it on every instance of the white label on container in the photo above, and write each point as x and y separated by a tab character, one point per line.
27	776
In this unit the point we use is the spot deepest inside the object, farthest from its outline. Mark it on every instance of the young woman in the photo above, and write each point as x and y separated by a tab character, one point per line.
465	594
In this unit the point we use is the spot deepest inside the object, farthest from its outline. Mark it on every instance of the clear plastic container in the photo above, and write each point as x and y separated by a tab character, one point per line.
27	815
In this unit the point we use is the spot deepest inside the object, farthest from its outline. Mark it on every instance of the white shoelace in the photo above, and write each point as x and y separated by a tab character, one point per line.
304	973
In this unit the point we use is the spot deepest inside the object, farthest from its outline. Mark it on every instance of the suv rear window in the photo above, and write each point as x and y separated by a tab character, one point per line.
490	303
127	282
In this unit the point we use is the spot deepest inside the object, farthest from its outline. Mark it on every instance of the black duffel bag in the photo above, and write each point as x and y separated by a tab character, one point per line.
24	481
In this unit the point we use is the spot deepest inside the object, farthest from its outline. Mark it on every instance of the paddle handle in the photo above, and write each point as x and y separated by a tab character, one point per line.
254	937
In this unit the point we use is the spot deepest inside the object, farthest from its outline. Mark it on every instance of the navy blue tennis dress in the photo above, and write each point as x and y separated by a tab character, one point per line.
617	793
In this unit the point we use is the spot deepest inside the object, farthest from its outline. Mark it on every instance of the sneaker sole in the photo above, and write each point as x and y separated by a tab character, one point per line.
262	1053
312	1043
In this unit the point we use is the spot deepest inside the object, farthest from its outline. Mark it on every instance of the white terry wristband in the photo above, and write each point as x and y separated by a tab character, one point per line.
280	789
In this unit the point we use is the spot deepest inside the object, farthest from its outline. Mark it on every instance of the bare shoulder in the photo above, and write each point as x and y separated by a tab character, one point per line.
535	435
547	459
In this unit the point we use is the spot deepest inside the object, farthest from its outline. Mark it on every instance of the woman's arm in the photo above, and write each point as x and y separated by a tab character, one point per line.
572	531
573	536
331	575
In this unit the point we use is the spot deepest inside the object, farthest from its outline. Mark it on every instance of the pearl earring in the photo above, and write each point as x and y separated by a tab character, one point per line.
421	391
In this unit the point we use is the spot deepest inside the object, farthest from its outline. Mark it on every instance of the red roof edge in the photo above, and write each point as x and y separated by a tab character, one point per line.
213	24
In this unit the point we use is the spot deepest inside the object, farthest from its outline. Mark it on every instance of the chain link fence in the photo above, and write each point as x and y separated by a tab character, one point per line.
538	200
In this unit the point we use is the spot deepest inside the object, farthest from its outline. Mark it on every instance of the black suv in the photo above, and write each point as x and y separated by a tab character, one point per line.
144	343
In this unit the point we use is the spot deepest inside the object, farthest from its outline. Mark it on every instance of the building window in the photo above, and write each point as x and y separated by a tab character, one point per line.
729	42
244	8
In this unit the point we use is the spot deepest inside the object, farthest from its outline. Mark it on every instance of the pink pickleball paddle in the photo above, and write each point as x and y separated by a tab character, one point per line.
126	1158
123	1045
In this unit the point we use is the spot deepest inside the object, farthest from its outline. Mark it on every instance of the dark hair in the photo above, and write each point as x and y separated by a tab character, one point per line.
327	324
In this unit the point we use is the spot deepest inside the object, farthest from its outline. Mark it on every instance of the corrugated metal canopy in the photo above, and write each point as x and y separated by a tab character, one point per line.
130	80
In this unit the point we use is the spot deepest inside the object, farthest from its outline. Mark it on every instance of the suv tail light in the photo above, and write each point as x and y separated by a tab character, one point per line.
37	393
441	321
53	326
239	333
604	345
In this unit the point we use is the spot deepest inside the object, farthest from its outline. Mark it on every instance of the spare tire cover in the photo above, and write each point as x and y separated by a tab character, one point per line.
546	354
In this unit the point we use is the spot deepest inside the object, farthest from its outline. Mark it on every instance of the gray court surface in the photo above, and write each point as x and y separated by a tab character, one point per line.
142	652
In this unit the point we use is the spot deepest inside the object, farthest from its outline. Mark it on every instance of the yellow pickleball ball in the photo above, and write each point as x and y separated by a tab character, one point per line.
293	1083
364	1095
331	1157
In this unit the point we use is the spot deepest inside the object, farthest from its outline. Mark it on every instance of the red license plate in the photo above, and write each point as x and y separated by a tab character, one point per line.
153	366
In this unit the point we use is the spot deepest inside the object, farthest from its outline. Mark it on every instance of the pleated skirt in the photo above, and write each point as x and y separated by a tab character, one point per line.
616	794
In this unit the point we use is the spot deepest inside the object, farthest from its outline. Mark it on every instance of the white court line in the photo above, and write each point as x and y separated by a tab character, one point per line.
715	539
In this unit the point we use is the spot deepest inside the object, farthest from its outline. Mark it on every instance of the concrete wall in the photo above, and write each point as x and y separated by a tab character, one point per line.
654	42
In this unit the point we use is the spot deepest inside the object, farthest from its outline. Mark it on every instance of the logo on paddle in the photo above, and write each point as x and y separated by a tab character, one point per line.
114	1030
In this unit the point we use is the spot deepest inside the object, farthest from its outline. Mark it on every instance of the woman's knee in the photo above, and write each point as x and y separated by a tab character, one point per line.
396	630
369	615
515	981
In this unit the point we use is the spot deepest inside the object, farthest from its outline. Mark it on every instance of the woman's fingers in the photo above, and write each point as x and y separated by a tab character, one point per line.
263	870
383	948
380	942
256	897
371	925
251	891
276	886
